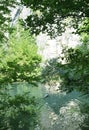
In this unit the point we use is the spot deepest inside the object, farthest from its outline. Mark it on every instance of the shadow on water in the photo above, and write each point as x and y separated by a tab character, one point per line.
56	101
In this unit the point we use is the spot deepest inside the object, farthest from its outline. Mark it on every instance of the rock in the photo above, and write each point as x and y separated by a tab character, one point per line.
46	95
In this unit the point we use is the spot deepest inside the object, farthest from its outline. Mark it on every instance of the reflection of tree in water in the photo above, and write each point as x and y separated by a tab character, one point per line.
84	108
71	117
58	100
63	111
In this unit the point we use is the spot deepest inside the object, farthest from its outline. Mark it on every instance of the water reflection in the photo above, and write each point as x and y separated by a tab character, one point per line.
60	110
65	112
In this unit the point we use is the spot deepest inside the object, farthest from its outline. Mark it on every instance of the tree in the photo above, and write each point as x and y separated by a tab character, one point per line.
74	72
19	62
84	27
5	17
49	16
17	112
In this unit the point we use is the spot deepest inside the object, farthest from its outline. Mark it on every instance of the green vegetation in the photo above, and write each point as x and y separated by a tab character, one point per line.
49	16
74	72
5	17
17	112
19	62
46	16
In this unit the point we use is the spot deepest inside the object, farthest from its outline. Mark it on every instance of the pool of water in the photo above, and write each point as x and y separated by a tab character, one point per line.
58	110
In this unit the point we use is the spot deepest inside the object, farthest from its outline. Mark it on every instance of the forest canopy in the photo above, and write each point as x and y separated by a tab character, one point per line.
49	15
46	15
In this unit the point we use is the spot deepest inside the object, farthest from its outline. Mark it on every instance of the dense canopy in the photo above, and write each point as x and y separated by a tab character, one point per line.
48	15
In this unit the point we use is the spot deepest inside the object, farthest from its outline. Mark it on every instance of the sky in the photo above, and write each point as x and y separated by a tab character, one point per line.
24	12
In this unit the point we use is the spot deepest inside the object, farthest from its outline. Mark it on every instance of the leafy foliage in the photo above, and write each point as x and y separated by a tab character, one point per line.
77	69
17	112
84	26
49	16
74	73
46	16
20	61
5	18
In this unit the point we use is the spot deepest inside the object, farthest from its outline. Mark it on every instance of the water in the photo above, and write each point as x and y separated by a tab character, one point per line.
58	111
62	111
